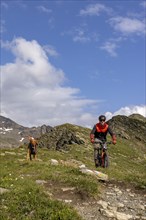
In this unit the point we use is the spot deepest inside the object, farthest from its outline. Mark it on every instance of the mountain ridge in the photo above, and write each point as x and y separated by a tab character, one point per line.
121	197
126	127
130	128
13	134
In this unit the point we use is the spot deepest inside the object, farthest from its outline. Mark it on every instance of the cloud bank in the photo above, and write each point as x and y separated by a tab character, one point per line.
128	111
33	90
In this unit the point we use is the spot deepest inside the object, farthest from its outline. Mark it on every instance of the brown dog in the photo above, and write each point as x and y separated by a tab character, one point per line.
32	148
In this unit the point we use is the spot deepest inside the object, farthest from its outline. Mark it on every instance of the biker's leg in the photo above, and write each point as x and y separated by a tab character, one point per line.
96	151
104	158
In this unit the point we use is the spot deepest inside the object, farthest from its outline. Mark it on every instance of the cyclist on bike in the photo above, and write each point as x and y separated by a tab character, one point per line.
98	134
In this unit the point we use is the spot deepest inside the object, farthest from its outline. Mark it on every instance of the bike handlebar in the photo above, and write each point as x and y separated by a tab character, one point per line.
101	142
109	142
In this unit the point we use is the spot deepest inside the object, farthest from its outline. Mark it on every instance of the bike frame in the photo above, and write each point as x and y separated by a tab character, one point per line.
102	155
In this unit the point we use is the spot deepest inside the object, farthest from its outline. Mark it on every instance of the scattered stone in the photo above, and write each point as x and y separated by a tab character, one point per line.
120	205
67	201
101	176
41	181
82	166
54	162
115	204
3	190
21	160
68	189
97	174
109	214
11	153
122	216
103	204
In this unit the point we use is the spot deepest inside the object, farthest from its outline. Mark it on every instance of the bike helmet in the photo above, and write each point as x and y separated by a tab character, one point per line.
102	118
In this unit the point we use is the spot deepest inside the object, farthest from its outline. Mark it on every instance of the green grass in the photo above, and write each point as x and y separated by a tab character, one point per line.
128	164
28	200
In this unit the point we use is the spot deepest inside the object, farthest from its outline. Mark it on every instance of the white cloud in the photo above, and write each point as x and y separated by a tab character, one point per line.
2	26
80	36
33	91
20	4
4	5
50	50
42	8
110	47
95	9
143	4
128	110
128	25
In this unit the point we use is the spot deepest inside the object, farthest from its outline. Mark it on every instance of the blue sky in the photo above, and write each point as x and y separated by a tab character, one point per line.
70	61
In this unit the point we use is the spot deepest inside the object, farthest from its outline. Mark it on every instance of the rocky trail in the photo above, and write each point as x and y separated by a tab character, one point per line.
115	202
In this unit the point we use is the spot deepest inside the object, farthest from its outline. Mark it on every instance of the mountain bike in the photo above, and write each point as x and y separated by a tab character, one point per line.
102	155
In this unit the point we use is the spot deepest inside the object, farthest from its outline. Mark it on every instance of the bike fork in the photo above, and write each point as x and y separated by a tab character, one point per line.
103	159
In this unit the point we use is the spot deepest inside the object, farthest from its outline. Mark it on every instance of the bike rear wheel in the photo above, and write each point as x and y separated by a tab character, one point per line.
103	159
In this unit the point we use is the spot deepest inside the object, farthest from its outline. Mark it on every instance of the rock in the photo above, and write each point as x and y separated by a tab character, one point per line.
41	181
115	206
68	201
104	204
139	206
82	166
59	138
3	190
11	153
54	162
87	171
95	173
68	189
123	216
101	175
120	205
45	129
109	214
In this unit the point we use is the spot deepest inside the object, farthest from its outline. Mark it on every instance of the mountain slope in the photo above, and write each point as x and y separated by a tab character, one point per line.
131	128
54	190
127	157
14	135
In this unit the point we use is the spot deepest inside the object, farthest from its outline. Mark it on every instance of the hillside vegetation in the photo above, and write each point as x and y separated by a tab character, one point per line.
33	187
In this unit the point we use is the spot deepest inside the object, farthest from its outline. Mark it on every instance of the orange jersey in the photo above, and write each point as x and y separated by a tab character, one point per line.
100	132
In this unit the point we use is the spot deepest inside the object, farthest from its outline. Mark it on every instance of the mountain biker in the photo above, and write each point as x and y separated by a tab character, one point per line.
32	148
99	133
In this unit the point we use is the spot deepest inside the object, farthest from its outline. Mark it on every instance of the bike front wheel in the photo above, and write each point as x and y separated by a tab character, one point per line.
105	161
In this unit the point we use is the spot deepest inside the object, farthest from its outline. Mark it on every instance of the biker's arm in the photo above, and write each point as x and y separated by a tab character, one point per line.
92	136
112	135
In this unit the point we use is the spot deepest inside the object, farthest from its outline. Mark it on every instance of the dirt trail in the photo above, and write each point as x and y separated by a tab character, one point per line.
115	202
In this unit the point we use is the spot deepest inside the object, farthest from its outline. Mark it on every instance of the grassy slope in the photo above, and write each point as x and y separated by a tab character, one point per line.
28	200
